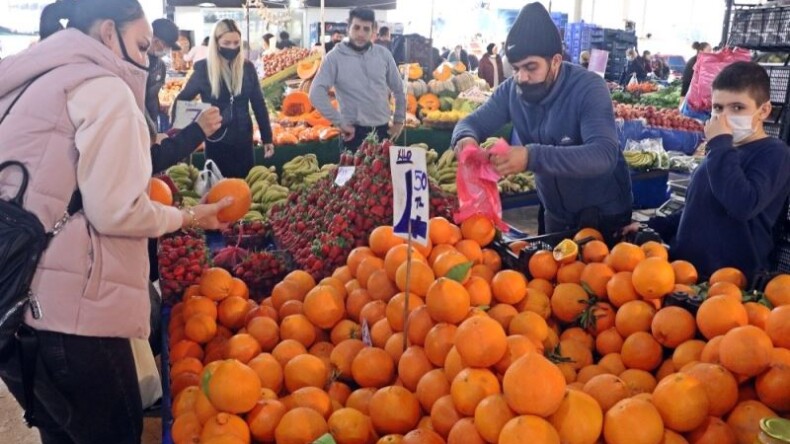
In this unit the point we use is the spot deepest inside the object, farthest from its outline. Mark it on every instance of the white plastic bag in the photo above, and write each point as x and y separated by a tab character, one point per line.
147	372
207	178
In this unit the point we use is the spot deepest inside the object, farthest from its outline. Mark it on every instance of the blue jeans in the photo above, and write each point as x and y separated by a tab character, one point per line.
86	389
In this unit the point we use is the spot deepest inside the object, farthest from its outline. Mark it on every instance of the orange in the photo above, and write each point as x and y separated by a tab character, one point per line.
626	256
777	325
481	341
439	341
537	429
509	287
373	312
298	327
729	274
263	419
380	333
579	419
239	191
479	229
682	402
685	272
479	291
492	260
305	371
491	415
778	290
586	233
746	350
641	351
633	420
216	283
373	367
432	386
394	410
687	352
397	255
534	385
758	316
542	265
566	252
570	273
447	301
449	263
655	249
159	191
653	278
242	347
232	312
444	415
324	307
773	387
536	301
531	325
568	302
594	251
441	232
464	431
265	331
269	371
421	277
471	250
720	314
233	387
200	328
382	239
672	326
350	426
639	381
471	386
712	430
412	366
607	390
719	384
367	267
608	341
355	258
745	418
396	306
225	427
596	276
299	426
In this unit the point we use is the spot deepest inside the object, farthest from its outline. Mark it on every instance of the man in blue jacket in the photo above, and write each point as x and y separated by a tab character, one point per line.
563	114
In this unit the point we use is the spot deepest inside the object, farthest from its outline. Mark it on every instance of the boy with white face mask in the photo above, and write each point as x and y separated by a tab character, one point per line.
738	194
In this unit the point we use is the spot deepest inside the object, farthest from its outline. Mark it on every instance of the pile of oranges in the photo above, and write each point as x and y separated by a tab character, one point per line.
581	352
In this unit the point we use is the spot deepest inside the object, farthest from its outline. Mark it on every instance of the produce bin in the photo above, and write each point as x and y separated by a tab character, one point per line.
649	189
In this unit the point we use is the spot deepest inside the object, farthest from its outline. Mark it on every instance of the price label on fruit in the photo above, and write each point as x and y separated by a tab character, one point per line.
410	193
344	174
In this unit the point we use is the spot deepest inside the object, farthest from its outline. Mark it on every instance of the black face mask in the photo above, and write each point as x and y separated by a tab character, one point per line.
534	93
126	53
229	54
356	48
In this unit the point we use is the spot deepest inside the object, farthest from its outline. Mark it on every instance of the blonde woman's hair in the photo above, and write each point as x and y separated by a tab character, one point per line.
218	68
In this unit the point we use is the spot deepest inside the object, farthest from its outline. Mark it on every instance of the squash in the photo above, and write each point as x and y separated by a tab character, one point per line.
306	69
442	88
411	104
418	88
305	85
443	72
429	102
446	104
296	104
464	81
415	71
315	119
459	68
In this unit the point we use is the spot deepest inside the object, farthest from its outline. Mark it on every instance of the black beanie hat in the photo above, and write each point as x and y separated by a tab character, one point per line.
533	34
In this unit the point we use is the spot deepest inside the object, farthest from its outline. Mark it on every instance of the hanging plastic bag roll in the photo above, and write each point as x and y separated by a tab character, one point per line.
476	181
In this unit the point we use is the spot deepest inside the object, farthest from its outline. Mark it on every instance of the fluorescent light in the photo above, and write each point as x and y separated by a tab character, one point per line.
207	5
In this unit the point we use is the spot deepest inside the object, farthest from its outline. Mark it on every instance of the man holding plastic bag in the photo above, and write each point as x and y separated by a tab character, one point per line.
563	114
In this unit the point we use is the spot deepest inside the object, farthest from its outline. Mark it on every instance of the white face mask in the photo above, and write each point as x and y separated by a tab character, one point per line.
741	127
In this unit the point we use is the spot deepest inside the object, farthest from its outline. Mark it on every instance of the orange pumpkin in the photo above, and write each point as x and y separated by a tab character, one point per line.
443	73
411	104
296	104
306	69
429	102
415	71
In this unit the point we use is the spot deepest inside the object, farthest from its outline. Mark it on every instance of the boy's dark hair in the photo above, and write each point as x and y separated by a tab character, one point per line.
384	31
748	77
363	14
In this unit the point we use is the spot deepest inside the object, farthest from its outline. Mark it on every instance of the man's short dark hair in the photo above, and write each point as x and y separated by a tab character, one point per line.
384	31
363	14
284	35
337	31
748	77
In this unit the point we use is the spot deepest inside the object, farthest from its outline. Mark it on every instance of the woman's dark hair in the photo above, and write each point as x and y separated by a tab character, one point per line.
699	46
490	48
205	41
82	14
268	37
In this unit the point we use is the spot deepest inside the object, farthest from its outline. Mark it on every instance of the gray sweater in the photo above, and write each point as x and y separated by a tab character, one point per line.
362	83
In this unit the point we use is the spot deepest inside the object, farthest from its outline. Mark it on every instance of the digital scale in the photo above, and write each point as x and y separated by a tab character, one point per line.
677	197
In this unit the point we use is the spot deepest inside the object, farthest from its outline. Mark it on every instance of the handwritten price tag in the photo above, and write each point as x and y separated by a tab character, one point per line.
411	197
188	112
344	174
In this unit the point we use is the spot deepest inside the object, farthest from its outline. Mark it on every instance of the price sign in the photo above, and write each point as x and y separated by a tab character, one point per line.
188	112
598	61
344	174
411	197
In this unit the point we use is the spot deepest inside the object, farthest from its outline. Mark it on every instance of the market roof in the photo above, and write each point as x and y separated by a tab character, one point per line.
375	4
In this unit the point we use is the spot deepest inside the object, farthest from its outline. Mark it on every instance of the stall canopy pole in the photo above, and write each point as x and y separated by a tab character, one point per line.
247	15
725	32
323	25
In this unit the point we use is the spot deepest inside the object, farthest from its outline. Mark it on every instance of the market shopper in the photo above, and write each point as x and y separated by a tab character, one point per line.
563	114
80	125
384	38
165	39
198	53
660	68
363	75
491	68
337	37
688	72
737	195
584	59
285	41
228	81
634	69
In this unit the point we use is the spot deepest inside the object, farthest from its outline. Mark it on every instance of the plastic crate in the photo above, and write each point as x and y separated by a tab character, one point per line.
650	191
520	261
773	129
761	26
780	81
783	257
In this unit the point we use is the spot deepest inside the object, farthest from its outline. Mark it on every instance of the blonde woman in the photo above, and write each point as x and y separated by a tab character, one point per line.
228	81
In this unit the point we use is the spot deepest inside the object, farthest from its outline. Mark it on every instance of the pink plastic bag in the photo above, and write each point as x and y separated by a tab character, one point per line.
476	181
708	66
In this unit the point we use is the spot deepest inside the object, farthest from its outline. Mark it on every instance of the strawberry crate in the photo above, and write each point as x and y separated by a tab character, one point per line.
262	270
182	257
254	236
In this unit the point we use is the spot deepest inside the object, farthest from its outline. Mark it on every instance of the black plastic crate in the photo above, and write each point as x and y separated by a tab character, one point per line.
773	129
780	81
783	257
761	26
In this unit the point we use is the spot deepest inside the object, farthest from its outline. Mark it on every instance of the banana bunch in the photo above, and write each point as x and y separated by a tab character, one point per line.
260	173
265	191
445	116
184	176
489	143
444	171
189	201
517	183
254	216
297	169
641	160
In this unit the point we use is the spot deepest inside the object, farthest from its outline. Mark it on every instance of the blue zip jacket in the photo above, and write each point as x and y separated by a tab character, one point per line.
572	143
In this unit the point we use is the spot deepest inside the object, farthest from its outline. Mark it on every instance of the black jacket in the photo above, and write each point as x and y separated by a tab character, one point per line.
636	66
688	74
175	149
240	125
156	80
